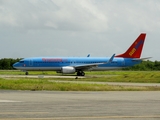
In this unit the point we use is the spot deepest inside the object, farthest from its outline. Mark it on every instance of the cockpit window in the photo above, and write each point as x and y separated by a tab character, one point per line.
21	61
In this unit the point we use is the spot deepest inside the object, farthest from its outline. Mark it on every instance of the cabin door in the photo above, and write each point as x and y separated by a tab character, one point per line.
30	62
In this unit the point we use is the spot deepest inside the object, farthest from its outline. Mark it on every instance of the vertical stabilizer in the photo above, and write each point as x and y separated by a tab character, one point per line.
135	50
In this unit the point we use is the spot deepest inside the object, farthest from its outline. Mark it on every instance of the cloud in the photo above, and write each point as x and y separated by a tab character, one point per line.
77	27
131	15
83	15
52	14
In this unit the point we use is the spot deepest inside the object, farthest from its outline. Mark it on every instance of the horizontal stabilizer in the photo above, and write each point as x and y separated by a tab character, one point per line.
137	59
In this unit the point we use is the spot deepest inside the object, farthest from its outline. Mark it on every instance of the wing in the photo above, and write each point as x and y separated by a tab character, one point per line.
89	66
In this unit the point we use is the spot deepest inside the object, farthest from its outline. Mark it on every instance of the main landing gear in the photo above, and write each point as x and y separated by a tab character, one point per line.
80	73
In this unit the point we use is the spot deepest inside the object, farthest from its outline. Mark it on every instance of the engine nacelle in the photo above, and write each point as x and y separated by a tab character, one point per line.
68	70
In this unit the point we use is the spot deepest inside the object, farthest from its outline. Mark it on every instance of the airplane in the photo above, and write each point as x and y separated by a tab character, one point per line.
72	65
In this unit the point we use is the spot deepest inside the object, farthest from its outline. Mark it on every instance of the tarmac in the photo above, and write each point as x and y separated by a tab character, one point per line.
56	105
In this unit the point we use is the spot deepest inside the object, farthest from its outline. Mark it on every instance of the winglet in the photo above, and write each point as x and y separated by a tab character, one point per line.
88	55
111	59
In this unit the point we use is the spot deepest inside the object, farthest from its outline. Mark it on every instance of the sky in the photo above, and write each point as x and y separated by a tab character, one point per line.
76	28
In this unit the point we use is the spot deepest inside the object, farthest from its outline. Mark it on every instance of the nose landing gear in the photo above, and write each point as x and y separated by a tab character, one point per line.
26	73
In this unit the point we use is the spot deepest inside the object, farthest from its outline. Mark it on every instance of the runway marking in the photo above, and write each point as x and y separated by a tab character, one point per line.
6	101
89	117
14	113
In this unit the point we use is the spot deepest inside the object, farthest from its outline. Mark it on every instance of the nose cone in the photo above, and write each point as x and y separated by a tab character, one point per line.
16	65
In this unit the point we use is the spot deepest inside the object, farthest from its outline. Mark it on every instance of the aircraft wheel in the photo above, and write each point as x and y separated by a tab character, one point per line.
82	74
78	73
26	73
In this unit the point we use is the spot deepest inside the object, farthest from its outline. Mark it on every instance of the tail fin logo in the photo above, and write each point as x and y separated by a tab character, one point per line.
137	45
132	51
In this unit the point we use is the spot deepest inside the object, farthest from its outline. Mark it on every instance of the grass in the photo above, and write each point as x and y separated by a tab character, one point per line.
43	84
17	83
131	76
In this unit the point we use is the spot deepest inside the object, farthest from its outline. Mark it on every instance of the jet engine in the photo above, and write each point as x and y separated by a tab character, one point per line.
68	70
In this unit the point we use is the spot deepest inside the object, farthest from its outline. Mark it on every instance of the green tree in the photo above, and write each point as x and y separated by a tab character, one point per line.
7	63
